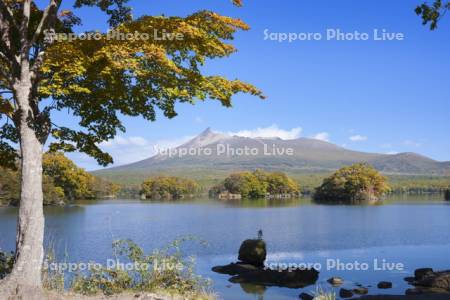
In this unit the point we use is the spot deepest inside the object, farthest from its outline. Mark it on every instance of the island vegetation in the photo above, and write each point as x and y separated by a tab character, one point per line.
354	184
257	184
63	182
168	188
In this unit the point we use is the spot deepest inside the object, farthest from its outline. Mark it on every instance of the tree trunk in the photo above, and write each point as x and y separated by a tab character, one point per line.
27	269
30	223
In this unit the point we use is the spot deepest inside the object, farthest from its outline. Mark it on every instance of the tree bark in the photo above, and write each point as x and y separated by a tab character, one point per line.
30	223
27	269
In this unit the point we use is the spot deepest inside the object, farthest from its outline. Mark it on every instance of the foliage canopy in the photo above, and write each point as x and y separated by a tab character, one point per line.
432	13
257	184
352	184
99	80
168	187
63	181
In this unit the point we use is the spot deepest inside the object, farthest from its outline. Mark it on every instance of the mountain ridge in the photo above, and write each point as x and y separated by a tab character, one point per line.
219	151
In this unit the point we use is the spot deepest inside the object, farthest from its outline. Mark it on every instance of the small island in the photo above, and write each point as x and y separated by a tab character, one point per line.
168	188
256	185
355	184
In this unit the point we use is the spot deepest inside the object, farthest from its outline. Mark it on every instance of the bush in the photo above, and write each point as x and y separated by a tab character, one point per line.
257	184
166	271
168	188
356	183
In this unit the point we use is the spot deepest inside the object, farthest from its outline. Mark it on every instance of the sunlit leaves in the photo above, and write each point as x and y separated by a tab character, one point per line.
100	79
432	13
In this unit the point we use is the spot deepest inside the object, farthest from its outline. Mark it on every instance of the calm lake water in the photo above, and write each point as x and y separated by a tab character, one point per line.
413	231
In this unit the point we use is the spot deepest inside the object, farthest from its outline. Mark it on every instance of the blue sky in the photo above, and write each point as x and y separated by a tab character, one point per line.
377	96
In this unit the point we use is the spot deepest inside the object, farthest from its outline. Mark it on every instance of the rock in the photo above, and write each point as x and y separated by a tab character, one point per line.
253	252
421	273
235	268
426	278
361	290
247	273
305	296
344	293
384	285
335	281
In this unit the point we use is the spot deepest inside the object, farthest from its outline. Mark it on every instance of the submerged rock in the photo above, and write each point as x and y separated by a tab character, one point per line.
335	281
384	285
247	273
253	251
344	293
361	290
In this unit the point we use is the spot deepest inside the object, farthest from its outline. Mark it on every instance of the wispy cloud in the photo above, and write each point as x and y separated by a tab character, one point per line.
323	136
270	132
392	152
125	150
410	143
358	138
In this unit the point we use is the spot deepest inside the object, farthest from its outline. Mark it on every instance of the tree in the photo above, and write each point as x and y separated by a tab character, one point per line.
257	184
168	188
432	13
75	182
96	80
353	184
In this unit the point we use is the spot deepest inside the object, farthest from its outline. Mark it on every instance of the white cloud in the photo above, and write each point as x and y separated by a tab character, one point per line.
392	152
358	138
198	120
323	136
125	150
270	132
410	143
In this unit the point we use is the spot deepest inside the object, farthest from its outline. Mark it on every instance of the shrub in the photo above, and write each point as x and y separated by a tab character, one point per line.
353	184
165	270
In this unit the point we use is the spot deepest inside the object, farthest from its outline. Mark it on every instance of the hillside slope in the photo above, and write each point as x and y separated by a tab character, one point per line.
212	152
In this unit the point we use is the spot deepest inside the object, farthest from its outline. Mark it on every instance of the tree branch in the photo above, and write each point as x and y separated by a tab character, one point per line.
25	22
8	14
49	12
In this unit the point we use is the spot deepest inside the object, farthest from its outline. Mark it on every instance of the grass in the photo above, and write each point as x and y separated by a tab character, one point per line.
166	272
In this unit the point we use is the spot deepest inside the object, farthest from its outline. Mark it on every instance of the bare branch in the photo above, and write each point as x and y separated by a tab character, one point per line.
49	12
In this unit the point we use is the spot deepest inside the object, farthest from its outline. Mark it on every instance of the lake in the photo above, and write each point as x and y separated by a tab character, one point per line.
410	231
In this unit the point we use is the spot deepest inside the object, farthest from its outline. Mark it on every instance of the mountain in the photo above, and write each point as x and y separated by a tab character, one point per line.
212	152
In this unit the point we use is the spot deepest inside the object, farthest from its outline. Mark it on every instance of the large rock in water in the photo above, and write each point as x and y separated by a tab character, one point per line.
426	281
246	273
253	252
